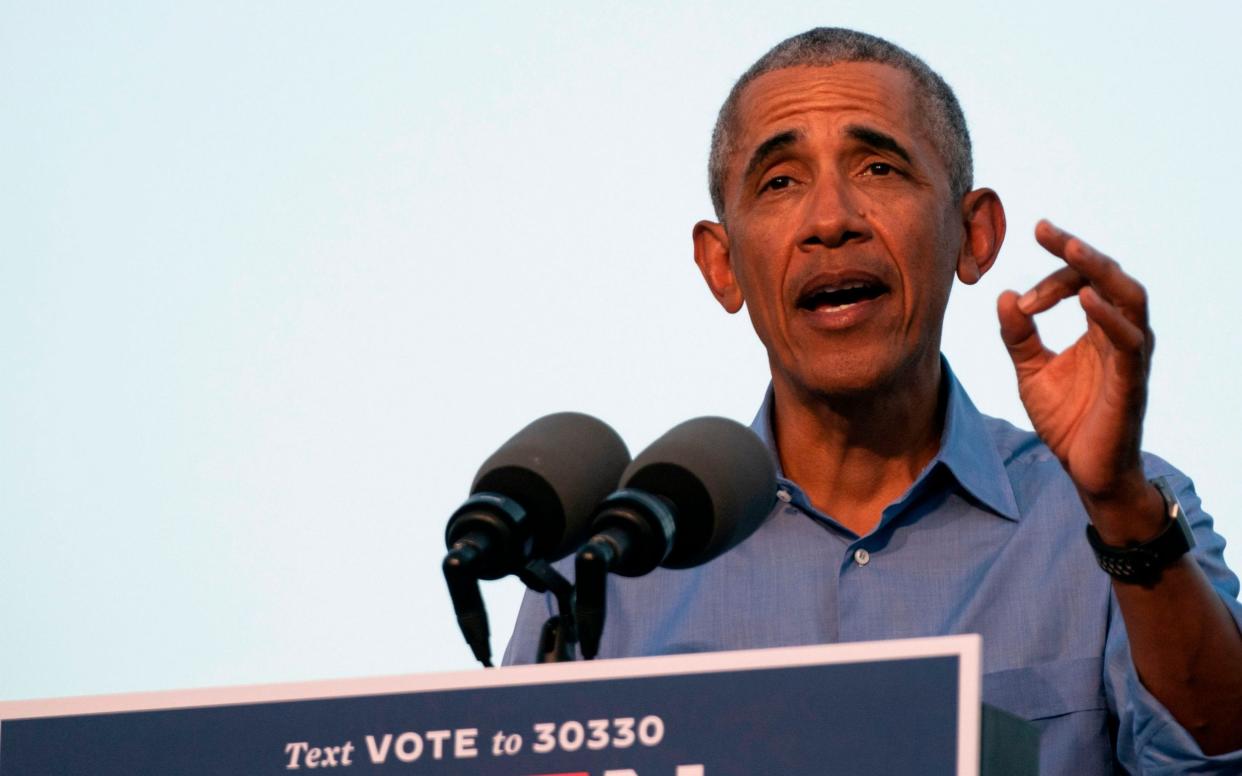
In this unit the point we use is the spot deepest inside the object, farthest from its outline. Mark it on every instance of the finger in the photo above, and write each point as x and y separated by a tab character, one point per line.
1103	272
1061	284
1052	237
1110	281
1130	340
1056	240
1020	336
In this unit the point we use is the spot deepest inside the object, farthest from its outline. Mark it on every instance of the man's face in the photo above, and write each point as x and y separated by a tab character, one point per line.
841	235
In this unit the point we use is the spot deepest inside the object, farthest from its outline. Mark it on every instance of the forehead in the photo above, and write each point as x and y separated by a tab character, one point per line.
848	92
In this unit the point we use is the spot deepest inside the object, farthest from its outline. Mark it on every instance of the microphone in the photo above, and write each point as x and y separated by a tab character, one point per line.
530	501
694	494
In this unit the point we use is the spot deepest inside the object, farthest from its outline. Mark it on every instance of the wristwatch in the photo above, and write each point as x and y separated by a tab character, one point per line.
1141	564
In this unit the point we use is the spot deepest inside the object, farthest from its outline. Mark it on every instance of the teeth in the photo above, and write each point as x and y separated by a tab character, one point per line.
838	295
842	287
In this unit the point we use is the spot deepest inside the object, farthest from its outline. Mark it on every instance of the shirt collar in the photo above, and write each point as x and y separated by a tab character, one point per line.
966	449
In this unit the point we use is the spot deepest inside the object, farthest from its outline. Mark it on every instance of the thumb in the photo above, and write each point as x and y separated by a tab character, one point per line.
1020	336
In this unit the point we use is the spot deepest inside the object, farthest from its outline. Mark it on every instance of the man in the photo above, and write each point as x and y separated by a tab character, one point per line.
841	176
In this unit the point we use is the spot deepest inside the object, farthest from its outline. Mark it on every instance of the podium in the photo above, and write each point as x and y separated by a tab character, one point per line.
908	706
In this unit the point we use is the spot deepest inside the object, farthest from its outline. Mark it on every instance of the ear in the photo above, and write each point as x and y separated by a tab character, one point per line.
983	217
711	253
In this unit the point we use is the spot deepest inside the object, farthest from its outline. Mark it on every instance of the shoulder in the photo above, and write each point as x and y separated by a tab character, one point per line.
1027	459
1046	496
1016	445
1039	482
1030	464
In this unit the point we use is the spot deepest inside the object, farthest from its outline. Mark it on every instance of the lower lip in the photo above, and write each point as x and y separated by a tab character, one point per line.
845	317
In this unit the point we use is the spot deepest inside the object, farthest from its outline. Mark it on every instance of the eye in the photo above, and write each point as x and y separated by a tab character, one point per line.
879	168
777	183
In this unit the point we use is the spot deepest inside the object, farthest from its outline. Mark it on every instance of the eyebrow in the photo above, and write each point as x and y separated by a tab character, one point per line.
877	140
881	141
769	147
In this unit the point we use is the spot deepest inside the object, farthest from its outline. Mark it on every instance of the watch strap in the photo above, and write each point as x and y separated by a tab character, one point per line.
1142	563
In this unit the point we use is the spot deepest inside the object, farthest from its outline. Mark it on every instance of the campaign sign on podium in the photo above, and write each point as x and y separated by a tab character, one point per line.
892	707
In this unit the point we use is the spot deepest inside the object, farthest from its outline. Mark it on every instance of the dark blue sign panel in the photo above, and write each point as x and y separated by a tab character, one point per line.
892	716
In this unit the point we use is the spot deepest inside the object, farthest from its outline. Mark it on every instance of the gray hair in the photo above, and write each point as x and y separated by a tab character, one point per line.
825	46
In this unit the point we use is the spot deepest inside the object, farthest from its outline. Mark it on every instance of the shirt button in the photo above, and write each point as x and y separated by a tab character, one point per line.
862	557
783	495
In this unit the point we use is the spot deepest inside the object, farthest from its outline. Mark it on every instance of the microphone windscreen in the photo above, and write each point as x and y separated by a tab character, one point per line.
720	479
558	468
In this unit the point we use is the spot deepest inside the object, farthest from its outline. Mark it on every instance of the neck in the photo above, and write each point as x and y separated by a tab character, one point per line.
854	455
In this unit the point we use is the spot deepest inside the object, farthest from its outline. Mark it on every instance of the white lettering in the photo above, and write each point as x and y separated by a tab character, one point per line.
437	739
544	740
513	744
571	736
329	756
651	730
294	751
463	742
378	756
319	757
625	732
599	734
409	747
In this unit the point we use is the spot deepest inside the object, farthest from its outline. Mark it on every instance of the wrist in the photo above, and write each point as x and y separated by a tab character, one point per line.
1133	515
1139	562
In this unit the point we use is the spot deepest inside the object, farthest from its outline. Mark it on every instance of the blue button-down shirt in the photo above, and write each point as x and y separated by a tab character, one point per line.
989	539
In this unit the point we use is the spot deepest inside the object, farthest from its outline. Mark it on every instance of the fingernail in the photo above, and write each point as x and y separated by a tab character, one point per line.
1026	302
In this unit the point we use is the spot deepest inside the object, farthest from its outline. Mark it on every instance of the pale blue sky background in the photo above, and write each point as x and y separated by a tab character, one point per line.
275	278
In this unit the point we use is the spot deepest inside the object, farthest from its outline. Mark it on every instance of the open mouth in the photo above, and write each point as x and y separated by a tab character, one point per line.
838	295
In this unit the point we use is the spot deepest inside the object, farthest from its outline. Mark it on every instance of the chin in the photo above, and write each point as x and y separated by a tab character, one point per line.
854	376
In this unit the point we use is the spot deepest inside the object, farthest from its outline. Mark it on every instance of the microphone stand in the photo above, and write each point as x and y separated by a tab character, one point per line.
559	638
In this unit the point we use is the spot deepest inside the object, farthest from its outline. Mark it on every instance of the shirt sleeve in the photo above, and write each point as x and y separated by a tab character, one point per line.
1149	739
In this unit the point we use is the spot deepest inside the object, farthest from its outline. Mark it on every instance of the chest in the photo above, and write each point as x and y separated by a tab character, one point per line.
1032	590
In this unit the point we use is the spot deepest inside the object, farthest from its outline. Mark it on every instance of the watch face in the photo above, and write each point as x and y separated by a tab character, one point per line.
1171	506
1185	536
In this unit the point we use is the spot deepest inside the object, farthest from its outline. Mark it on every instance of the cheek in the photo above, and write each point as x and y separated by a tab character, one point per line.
758	274
762	298
761	292
937	275
929	267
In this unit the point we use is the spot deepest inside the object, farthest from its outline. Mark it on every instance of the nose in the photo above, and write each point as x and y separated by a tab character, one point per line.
831	215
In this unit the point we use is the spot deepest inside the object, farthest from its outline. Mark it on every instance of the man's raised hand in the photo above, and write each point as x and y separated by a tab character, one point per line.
1087	402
